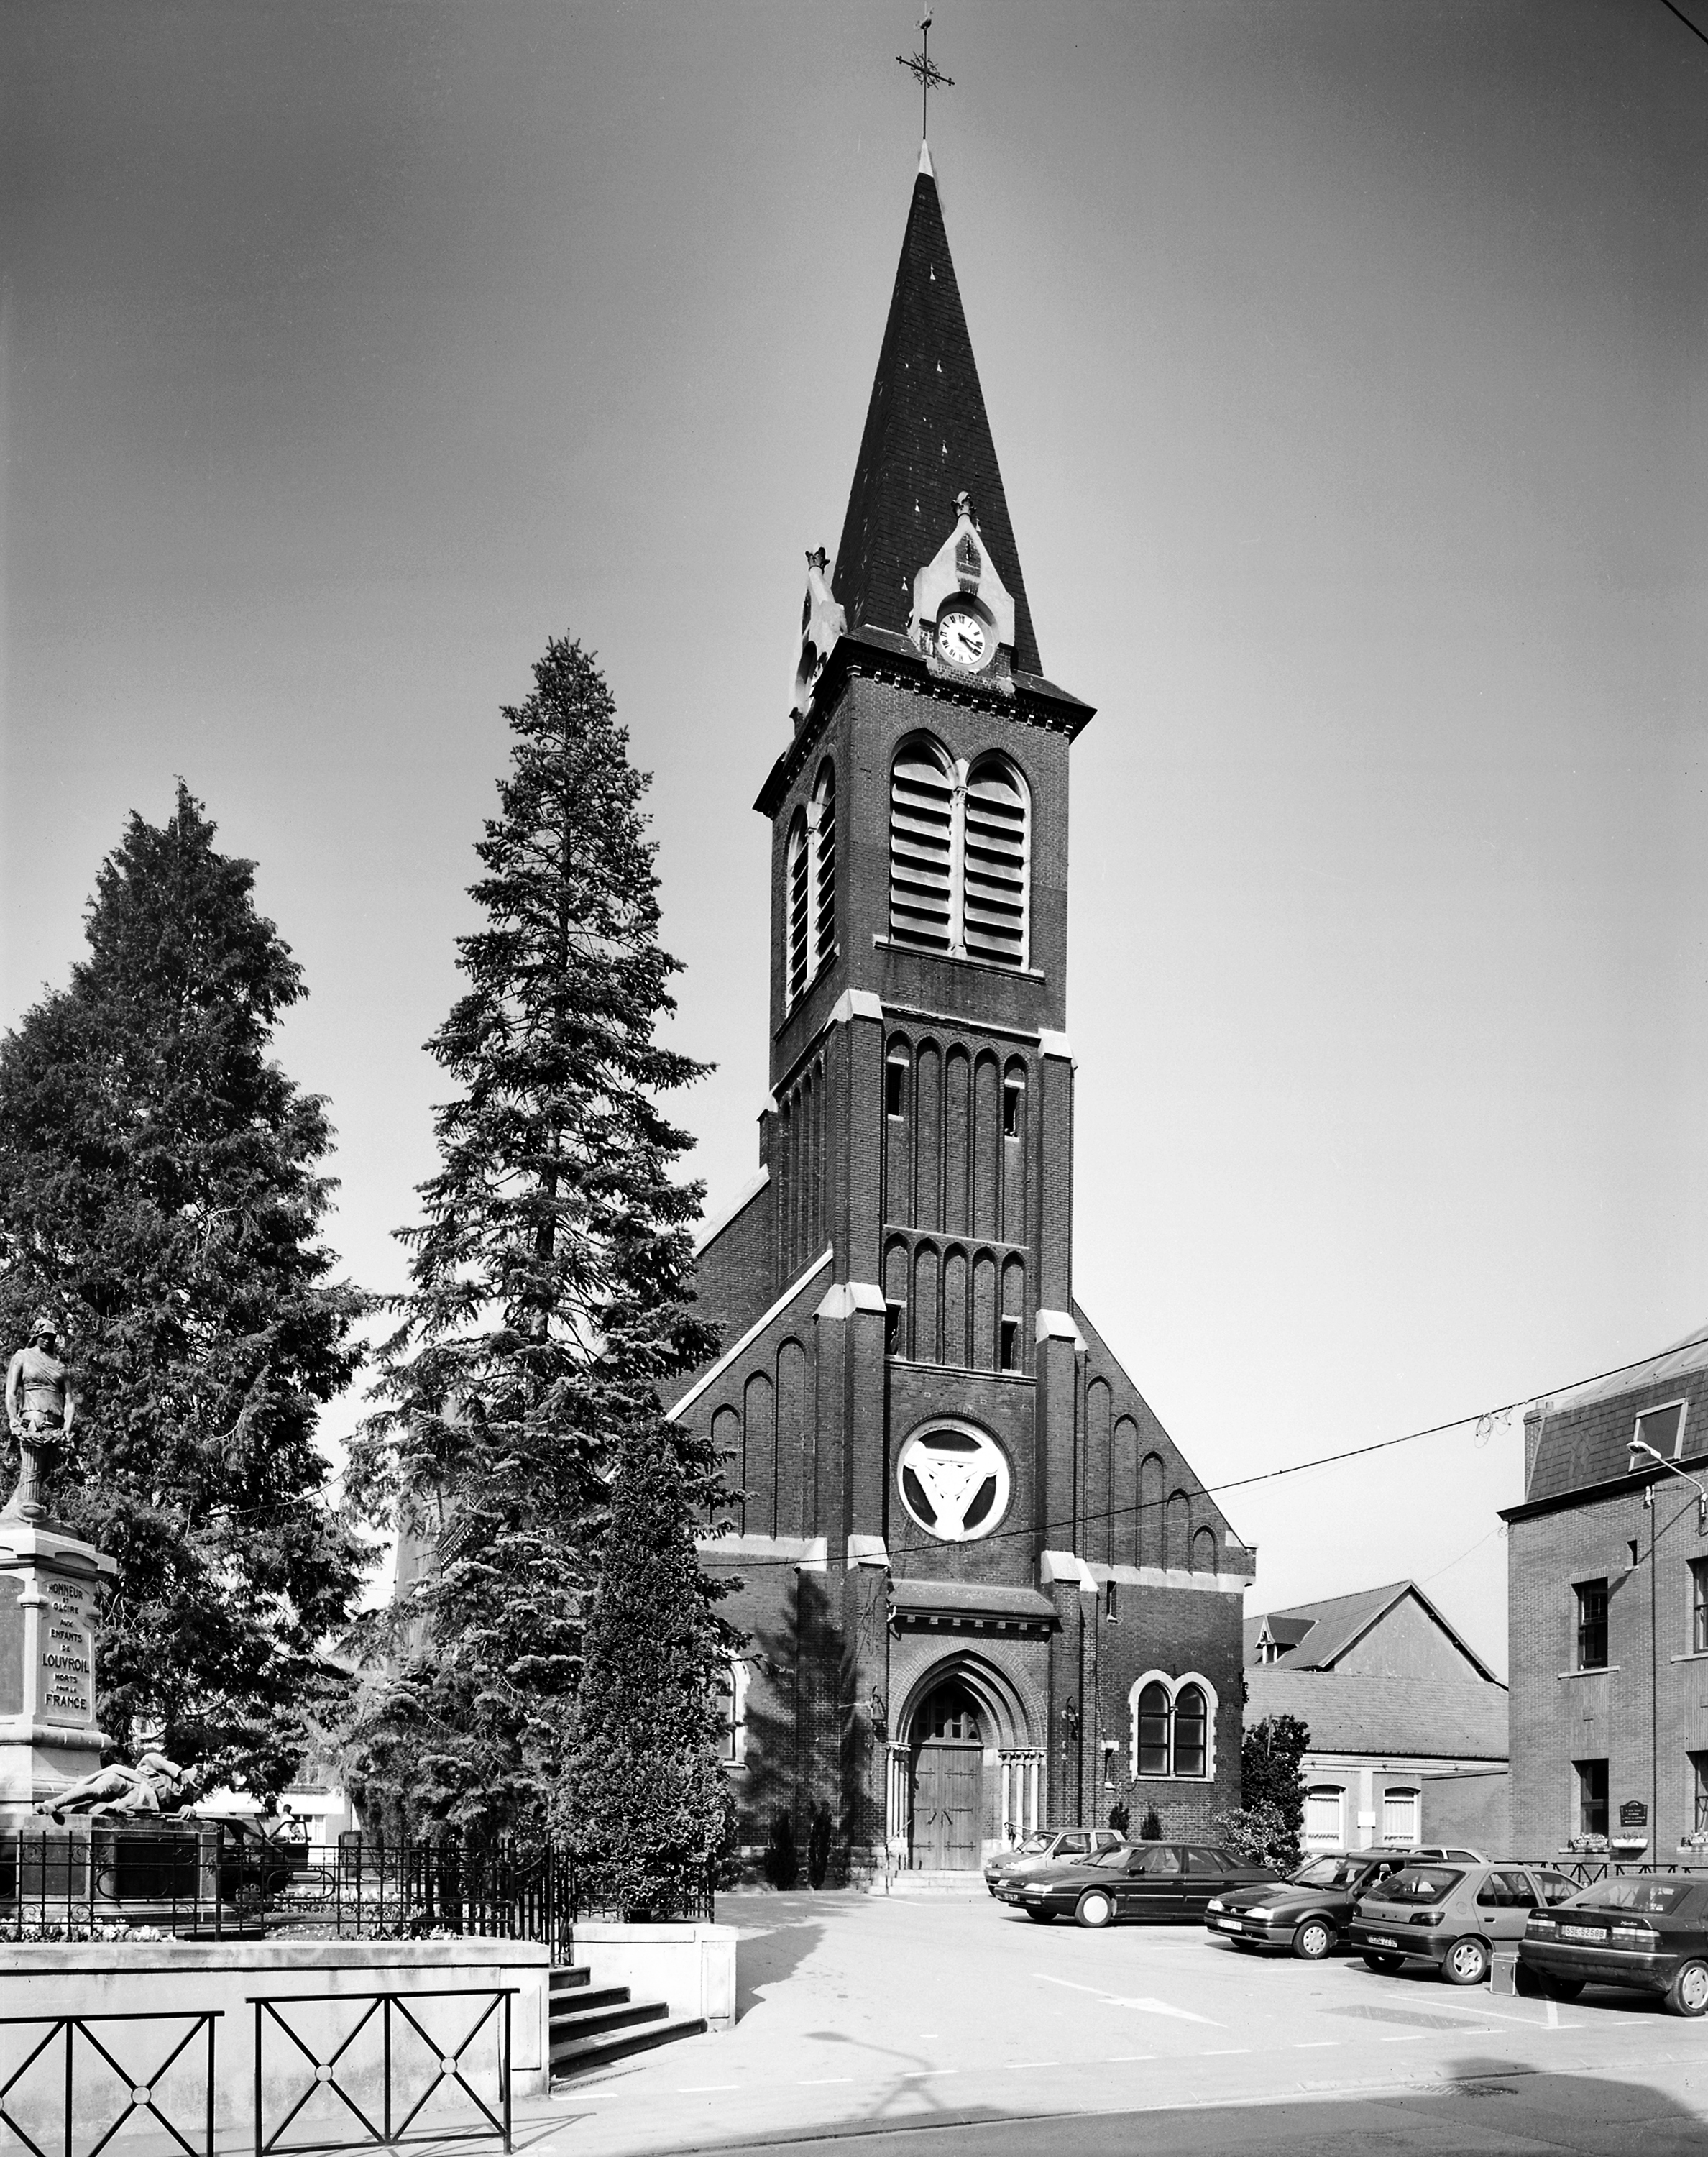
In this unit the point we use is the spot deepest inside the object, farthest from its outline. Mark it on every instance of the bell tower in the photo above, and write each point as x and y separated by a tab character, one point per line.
946	1479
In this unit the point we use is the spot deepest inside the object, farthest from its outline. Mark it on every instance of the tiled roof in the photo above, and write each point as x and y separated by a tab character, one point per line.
927	439
970	1598
1580	1437
1434	1719
1317	1634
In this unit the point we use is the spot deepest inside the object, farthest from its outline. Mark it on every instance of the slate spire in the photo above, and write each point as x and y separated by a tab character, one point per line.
927	440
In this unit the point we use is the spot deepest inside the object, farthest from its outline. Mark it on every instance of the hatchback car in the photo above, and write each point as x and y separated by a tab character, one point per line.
1162	1882
1311	1911
1047	1846
1453	1915
1647	1933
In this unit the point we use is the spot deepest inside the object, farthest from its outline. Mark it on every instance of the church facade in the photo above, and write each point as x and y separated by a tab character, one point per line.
981	1589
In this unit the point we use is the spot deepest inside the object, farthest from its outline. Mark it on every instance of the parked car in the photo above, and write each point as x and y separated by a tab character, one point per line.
1310	1912
1162	1882
1047	1846
1451	1915
1649	1933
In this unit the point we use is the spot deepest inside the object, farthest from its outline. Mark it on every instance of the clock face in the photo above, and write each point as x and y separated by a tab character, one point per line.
962	639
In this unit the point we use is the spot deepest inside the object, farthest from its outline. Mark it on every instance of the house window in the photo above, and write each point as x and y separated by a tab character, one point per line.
959	855
1153	1717
1323	1803
1592	1624
1699	1606
798	892
810	926
1699	1791
823	823
895	1314
1111	1602
1174	1726
1013	1102
895	1083
1399	1817
1663	1429
1008	1329
1591	1796
1190	1732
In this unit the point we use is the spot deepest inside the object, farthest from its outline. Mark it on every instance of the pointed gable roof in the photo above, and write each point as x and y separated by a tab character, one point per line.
927	438
1315	1636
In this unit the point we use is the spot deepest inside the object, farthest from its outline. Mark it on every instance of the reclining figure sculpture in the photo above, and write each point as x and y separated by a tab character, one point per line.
155	1785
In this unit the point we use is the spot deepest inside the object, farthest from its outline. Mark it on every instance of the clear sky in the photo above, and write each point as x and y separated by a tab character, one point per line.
1346	366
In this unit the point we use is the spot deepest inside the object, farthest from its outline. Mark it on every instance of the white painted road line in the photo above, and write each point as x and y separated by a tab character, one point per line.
1117	2000
1317	2044
819	2082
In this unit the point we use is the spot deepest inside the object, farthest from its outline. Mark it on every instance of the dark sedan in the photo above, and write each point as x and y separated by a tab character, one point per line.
1310	1911
1155	1883
1649	1933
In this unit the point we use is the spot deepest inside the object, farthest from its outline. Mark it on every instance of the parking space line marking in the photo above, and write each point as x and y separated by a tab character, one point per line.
818	2082
1494	2015
1116	2000
1123	2060
918	2074
1017	2064
1408	2037
703	2090
1225	2052
1317	2044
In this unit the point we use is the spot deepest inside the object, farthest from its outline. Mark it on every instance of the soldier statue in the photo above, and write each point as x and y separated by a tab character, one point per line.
39	1407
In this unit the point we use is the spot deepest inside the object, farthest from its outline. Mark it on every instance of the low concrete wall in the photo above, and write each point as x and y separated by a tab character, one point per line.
156	1977
690	1967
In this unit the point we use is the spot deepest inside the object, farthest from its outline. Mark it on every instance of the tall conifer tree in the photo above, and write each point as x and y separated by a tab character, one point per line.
160	1190
548	1299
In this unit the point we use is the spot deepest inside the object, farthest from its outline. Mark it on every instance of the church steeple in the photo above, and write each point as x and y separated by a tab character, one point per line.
927	441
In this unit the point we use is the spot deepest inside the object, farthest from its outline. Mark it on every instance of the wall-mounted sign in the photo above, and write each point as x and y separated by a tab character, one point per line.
1634	1813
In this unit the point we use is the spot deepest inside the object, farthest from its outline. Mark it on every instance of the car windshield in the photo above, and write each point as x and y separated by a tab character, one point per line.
1327	1872
1656	1897
1114	1860
1034	1846
1419	1883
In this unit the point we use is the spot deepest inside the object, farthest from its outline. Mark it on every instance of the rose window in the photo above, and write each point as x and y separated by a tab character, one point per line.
954	1483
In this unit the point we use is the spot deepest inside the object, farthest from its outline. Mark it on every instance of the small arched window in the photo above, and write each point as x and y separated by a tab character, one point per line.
798	893
1154	1718
994	893
822	822
922	817
1191	1733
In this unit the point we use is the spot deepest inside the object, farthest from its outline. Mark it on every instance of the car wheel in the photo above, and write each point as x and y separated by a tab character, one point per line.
1096	1909
1562	1987
1688	1993
1314	1939
1466	1962
1384	1965
1041	1917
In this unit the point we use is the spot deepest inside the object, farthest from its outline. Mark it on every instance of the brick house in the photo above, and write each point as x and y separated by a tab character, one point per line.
977	1574
1407	1722
1607	1612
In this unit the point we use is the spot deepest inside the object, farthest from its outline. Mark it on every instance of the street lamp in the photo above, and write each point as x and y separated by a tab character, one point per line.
1636	1448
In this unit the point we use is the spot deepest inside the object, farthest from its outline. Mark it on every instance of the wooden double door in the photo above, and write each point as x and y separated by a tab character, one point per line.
947	1806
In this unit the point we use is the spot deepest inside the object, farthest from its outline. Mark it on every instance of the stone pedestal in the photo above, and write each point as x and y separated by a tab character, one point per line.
50	1588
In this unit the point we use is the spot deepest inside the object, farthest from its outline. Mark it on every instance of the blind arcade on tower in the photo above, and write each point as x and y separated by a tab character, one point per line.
968	1549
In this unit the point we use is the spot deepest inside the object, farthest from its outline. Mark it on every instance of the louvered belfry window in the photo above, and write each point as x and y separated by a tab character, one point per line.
824	867
959	855
995	864
800	887
921	821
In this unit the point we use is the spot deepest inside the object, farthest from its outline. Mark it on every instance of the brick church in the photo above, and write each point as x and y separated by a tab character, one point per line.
981	1588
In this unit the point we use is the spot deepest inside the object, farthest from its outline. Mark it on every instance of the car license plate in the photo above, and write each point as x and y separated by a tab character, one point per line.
1230	1924
1583	1932
1382	1940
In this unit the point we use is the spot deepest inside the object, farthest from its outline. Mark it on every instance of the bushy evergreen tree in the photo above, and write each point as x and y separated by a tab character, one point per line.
1270	1753
160	1190
644	1804
548	1299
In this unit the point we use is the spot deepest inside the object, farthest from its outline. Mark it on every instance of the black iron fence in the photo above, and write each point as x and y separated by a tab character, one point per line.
223	1880
89	2075
401	2072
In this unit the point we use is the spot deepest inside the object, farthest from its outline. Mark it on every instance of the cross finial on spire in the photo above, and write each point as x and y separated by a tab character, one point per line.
926	73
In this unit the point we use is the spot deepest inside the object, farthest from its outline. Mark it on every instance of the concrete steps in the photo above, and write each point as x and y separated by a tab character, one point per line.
591	2025
932	1883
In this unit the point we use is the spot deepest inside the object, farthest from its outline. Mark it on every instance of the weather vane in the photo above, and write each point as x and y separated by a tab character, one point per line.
925	72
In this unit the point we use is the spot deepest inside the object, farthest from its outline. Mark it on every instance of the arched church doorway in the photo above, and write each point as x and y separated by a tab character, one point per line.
946	1781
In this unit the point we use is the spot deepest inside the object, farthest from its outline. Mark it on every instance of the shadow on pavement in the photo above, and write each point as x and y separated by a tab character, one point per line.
1477	2105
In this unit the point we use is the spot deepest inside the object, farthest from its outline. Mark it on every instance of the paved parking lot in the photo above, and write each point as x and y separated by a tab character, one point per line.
881	2017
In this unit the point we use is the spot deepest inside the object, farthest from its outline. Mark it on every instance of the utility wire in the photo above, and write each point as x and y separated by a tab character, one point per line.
1685	20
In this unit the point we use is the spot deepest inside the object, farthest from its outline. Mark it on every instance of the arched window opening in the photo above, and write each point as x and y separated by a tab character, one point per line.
823	822
896	1066
995	863
1400	1823
922	819
797	921
1153	1719
1190	1732
950	1716
1014	1101
1323	1803
1204	1552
